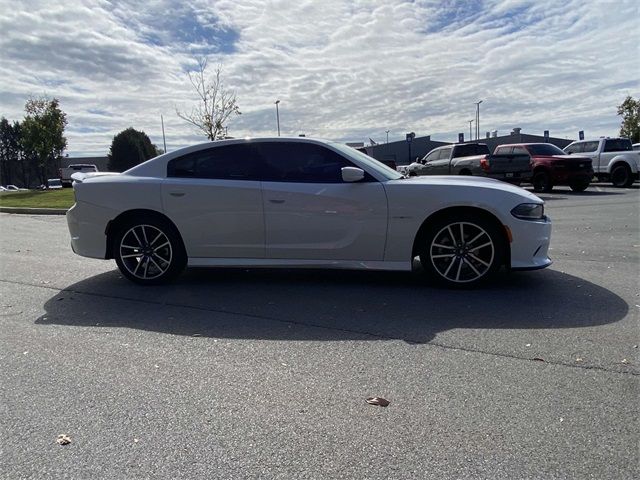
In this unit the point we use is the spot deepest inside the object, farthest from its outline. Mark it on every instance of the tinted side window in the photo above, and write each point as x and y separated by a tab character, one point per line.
432	156
575	148
520	151
300	162
503	150
444	154
589	147
231	162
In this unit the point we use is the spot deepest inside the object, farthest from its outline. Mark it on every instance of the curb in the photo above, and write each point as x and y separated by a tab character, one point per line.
34	211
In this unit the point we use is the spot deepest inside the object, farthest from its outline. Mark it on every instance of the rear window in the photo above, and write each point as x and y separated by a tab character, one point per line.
618	145
470	150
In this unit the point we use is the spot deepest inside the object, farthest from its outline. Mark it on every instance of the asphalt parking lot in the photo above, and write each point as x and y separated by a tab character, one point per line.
264	373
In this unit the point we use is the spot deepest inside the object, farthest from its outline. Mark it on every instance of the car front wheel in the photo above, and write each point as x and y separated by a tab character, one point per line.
542	182
149	251
579	185
462	251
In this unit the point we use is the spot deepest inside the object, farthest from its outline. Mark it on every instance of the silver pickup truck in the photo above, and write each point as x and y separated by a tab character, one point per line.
613	159
473	159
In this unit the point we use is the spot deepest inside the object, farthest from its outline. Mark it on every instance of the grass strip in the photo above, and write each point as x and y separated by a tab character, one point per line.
59	198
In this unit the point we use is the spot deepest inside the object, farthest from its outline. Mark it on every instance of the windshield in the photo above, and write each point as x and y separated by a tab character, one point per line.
381	168
544	149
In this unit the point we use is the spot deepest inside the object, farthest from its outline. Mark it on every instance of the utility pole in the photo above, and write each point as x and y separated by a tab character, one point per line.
478	119
164	140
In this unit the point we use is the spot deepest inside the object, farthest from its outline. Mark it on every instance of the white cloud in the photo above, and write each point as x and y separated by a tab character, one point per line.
343	70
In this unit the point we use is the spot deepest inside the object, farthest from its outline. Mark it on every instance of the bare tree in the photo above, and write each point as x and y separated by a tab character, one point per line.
215	103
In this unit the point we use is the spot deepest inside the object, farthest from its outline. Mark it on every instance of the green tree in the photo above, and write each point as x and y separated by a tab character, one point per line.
10	153
215	103
130	148
43	137
630	112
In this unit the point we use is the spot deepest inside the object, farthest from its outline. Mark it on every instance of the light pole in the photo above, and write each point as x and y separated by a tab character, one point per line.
278	116
470	136
387	135
478	119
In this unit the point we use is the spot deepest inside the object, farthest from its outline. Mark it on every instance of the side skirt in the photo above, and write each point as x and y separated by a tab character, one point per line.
289	263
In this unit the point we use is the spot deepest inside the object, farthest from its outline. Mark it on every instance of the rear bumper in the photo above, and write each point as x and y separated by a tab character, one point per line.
87	225
511	176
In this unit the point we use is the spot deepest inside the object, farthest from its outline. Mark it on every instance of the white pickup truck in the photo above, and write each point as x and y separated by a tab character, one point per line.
613	159
65	173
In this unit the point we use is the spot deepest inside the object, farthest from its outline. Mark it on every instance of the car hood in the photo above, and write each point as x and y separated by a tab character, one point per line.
576	158
469	182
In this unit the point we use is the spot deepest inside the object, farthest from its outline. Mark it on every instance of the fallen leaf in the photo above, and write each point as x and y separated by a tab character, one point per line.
625	361
578	359
382	402
538	359
528	345
63	439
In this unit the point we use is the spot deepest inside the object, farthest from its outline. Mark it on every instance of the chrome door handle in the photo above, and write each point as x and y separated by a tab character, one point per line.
273	200
177	194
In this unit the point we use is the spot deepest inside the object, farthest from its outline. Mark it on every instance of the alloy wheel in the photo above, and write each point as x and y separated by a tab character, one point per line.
462	252
146	252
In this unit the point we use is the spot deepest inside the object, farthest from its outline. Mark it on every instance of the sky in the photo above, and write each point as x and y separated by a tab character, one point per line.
342	70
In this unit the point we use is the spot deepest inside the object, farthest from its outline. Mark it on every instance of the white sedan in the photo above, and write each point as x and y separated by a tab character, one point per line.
300	202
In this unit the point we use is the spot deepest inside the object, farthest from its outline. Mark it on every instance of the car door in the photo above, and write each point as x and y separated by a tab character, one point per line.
311	213
440	164
428	163
214	198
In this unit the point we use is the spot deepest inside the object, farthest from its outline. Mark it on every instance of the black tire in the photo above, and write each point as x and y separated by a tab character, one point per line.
621	176
149	251
462	250
541	182
579	185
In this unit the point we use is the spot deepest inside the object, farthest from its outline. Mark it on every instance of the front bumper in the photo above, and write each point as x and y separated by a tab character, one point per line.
530	245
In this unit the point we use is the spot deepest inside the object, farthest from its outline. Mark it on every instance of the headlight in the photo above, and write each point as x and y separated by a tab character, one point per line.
529	211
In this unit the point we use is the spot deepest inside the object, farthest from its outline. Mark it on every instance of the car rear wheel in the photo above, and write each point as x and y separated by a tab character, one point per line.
462	251
149	251
541	182
621	176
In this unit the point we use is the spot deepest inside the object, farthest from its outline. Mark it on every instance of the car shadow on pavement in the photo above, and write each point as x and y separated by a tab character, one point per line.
330	305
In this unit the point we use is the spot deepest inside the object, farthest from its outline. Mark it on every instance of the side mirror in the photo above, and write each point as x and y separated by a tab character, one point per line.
352	174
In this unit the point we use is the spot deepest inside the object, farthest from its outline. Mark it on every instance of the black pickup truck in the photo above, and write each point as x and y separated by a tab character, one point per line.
473	159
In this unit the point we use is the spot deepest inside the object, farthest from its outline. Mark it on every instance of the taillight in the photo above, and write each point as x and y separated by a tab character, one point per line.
484	164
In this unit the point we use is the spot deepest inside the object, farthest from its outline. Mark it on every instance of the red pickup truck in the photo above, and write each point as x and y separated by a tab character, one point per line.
551	166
